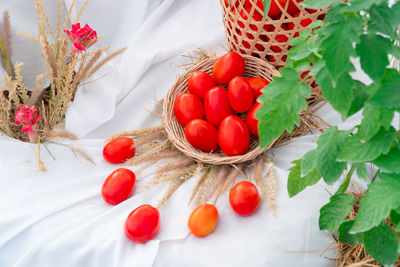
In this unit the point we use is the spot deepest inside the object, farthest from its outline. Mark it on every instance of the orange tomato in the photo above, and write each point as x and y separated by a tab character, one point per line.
203	220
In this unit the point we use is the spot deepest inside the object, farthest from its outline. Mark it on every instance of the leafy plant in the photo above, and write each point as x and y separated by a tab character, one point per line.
367	30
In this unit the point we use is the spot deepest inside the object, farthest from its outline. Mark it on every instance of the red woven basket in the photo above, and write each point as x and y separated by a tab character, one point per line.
268	38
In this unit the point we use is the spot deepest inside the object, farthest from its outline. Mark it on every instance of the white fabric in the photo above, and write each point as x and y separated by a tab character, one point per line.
58	218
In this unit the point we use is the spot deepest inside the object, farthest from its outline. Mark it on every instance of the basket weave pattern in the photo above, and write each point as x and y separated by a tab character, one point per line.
176	133
268	38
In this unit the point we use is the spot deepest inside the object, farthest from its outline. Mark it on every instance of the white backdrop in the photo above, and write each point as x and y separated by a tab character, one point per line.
58	218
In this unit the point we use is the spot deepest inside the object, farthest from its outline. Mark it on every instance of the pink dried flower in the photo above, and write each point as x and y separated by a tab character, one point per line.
81	38
28	116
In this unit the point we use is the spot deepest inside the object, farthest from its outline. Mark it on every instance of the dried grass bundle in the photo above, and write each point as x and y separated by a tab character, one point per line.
66	71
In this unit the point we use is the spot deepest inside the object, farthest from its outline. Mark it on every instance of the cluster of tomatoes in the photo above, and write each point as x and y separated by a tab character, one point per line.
244	199
143	223
275	13
211	114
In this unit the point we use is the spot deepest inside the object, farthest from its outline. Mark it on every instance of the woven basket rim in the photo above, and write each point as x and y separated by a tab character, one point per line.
173	128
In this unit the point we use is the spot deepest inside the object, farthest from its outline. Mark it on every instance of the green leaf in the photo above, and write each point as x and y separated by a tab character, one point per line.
334	213
395	217
335	13
343	187
357	150
319	4
317	67
316	24
346	237
296	183
373	61
381	21
389	162
377	203
299	51
309	162
359	97
341	96
338	47
395	13
284	99
381	243
388	95
330	143
267	4
373	119
357	5
395	51
362	171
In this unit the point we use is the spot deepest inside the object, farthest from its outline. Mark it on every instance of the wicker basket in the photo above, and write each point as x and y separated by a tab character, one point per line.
254	68
267	38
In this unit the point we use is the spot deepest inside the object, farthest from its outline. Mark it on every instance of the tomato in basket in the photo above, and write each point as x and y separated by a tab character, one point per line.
202	135
256	85
251	120
233	136
188	107
240	94
216	105
228	67
199	83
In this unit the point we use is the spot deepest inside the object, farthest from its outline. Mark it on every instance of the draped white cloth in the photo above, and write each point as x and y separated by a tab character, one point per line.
58	218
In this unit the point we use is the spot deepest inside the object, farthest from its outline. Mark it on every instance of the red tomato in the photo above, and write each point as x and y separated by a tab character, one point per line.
142	224
118	186
119	150
321	17
257	16
274	9
251	120
200	82
203	220
233	136
240	94
304	74
228	67
188	107
202	135
303	22
256	85
311	11
281	38
244	198
216	105
292	9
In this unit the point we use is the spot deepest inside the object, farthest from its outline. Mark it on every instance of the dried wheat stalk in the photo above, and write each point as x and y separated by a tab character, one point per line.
205	185
258	177
154	156
136	133
219	180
